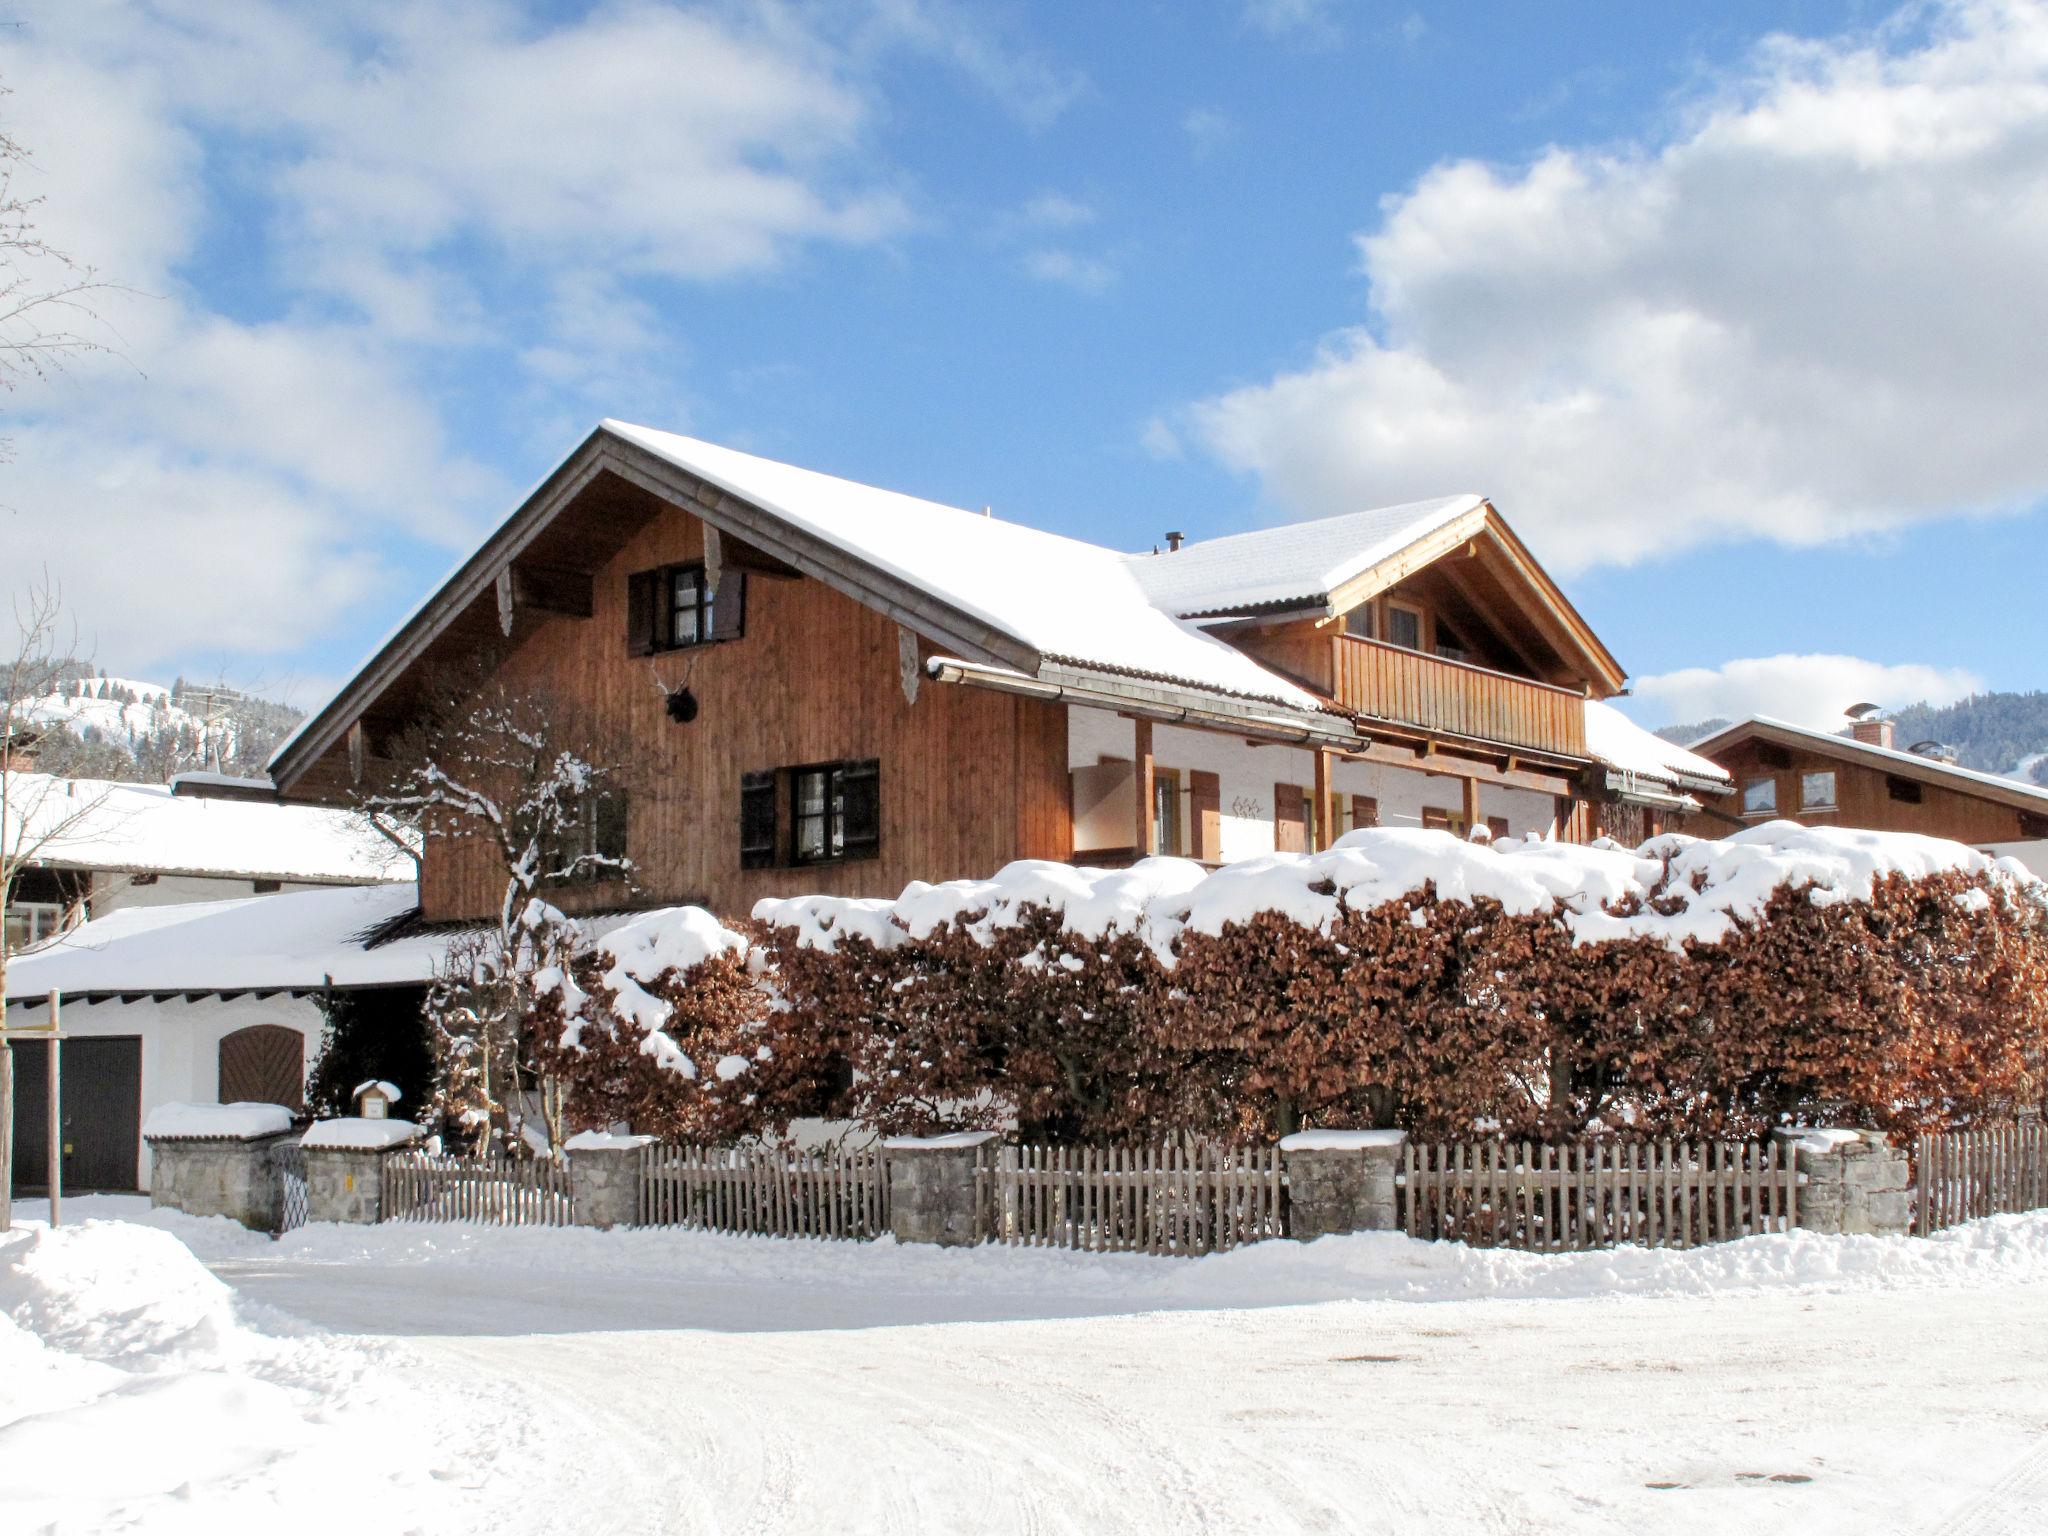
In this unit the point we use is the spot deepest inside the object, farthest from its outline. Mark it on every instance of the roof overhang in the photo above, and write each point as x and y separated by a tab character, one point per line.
605	453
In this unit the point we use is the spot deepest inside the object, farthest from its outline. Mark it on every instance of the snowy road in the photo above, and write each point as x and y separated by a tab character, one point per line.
655	1382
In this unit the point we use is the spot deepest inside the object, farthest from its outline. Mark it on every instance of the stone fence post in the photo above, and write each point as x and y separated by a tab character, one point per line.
345	1167
604	1178
237	1175
1855	1181
931	1187
1342	1181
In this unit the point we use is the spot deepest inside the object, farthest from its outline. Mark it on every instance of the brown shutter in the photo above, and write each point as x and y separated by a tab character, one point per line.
1436	819
1365	812
1497	825
861	809
1205	810
729	605
640	612
1290	819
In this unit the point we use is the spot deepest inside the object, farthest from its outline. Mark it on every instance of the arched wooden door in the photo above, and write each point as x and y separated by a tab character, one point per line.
263	1064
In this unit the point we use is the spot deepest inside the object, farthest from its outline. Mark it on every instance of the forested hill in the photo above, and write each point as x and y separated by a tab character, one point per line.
95	726
1991	732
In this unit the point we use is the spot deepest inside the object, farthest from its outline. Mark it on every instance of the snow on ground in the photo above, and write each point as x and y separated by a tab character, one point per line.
702	1383
139	1392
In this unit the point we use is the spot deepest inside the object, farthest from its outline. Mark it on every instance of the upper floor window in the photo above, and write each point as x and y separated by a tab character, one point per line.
1817	791
1359	621
1760	797
673	607
1404	627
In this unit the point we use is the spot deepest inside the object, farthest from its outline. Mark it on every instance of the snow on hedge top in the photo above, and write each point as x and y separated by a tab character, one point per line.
99	824
296	940
635	954
215	1122
1620	743
1300	560
1710	884
1065	599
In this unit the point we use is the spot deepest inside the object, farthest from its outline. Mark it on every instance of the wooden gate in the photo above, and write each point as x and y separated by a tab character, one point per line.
498	1191
1181	1198
263	1064
1661	1194
773	1191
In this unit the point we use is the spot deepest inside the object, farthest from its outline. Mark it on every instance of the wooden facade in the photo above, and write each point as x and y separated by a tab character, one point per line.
1883	794
969	779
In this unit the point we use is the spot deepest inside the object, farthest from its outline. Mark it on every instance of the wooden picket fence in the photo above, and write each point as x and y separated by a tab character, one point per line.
1182	1198
1991	1171
498	1191
1597	1194
769	1190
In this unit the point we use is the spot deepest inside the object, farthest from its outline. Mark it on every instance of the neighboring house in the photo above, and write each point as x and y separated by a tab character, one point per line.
101	846
1865	780
883	689
208	1002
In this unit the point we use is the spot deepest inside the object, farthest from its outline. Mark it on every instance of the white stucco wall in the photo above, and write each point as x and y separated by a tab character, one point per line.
2033	854
1248	773
180	1040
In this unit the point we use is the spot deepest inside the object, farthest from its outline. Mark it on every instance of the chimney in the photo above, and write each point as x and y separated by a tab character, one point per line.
1173	540
1872	733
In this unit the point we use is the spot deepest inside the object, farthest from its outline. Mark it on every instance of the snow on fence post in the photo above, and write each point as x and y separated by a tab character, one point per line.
220	1160
1851	1181
345	1167
1342	1181
604	1178
934	1195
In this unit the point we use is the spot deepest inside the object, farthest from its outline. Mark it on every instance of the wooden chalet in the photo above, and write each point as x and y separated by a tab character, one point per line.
1864	779
881	689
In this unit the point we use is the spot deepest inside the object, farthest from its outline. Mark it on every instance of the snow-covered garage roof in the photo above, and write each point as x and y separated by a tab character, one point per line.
99	824
1627	748
294	942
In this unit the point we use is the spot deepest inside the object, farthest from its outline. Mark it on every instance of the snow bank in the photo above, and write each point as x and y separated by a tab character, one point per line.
360	1135
138	1393
1706	885
228	1122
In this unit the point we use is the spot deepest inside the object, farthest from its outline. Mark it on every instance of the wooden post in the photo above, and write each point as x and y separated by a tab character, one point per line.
1147	841
6	1131
54	1114
1472	816
1325	801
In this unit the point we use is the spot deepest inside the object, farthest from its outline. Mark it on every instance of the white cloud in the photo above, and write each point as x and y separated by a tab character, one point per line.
1209	131
1809	690
1069	269
1310	21
327	213
1810	312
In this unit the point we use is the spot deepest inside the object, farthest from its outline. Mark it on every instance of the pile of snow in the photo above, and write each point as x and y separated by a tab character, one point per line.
360	1135
138	1393
1708	884
215	1122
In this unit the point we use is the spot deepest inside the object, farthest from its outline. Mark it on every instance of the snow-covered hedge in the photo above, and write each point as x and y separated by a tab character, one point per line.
1403	977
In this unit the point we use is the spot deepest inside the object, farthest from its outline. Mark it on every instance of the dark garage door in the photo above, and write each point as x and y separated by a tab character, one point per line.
102	1113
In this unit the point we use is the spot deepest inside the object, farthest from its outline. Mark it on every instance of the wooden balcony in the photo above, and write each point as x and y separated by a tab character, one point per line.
1411	688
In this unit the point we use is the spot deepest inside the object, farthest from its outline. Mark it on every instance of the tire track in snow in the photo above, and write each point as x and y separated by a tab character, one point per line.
2015	1505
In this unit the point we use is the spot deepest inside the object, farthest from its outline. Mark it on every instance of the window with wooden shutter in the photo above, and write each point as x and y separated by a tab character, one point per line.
757	820
1290	818
1205	815
1365	812
726	617
642	591
836	812
1437	819
1498	826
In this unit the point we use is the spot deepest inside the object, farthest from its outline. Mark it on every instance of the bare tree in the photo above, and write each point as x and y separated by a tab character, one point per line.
521	773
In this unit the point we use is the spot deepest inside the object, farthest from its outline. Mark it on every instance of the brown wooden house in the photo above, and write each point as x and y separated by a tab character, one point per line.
884	689
1865	779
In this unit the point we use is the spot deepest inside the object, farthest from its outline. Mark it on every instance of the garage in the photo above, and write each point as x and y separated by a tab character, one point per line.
102	1113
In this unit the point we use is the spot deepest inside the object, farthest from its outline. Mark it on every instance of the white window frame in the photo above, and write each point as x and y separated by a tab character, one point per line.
1750	786
1807	802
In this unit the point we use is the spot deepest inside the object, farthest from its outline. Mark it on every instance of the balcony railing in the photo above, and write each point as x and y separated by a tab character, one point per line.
1413	688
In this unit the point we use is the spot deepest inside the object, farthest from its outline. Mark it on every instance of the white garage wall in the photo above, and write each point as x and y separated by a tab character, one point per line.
112	892
1248	773
180	1040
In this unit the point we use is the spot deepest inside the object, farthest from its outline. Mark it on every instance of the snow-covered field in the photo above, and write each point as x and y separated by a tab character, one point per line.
453	1379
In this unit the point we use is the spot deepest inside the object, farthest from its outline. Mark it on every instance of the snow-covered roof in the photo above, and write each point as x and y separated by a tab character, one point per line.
145	828
1299	561
1067	600
1627	748
290	942
1929	767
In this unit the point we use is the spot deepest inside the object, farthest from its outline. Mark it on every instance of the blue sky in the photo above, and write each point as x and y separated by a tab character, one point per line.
1730	313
